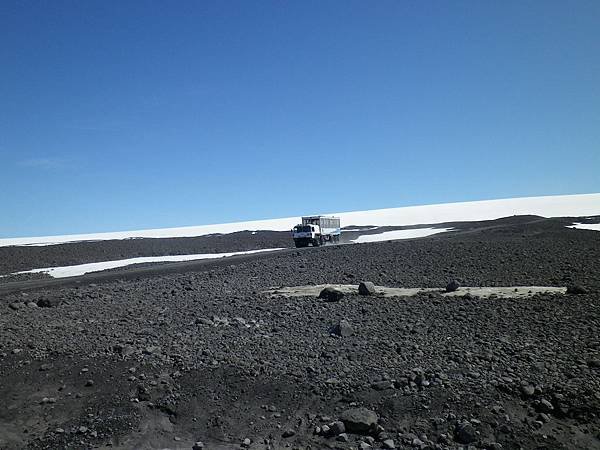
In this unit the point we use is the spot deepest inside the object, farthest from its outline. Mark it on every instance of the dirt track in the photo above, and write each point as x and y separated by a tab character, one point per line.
197	353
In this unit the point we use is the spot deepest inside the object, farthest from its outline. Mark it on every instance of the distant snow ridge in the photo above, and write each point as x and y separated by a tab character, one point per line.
550	206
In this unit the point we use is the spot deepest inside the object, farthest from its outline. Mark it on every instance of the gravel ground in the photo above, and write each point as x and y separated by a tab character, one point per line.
165	361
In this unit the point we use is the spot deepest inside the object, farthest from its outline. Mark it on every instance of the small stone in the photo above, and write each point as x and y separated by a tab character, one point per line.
545	406
382	385
543	417
59	431
364	446
343	329
124	350
389	443
204	321
336	428
465	433
343	437
15	306
48	302
198	446
367	288
576	289
246	442
527	390
288	433
89	383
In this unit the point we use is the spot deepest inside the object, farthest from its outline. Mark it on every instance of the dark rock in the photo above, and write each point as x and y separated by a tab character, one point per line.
143	394
527	390
48	302
545	406
452	286
336	428
576	289
595	363
342	328
288	433
465	433
382	385
366	288
330	294
124	350
359	420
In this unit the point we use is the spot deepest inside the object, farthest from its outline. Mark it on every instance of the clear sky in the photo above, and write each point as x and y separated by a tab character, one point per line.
119	115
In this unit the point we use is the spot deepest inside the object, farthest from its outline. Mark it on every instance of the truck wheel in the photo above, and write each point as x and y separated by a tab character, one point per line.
316	243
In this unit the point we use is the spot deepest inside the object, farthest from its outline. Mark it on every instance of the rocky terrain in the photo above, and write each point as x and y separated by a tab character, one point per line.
204	357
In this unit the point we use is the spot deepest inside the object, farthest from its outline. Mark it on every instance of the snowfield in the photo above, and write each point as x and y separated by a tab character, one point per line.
399	234
550	206
586	226
81	269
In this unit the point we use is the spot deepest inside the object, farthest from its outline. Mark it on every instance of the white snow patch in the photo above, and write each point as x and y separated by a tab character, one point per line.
81	269
586	226
483	292
359	229
399	234
550	206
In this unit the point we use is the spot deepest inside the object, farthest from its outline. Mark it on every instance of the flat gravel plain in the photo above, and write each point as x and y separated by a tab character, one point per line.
174	359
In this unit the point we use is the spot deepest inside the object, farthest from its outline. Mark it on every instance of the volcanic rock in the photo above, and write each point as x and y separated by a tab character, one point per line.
50	302
366	288
452	286
465	433
343	329
388	443
576	289
359	420
331	294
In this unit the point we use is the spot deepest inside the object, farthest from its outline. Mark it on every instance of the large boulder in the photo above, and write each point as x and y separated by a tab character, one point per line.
359	420
331	294
366	288
452	286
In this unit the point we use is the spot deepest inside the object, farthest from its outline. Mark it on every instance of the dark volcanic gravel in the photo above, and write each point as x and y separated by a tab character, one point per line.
167	361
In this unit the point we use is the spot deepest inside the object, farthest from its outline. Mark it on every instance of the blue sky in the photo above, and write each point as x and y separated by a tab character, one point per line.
127	115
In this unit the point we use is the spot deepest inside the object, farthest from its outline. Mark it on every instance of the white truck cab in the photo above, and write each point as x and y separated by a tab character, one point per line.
317	231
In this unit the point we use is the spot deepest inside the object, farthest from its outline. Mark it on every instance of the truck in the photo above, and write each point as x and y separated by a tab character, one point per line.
317	231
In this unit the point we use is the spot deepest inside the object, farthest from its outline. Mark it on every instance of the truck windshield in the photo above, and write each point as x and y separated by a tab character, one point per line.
303	229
